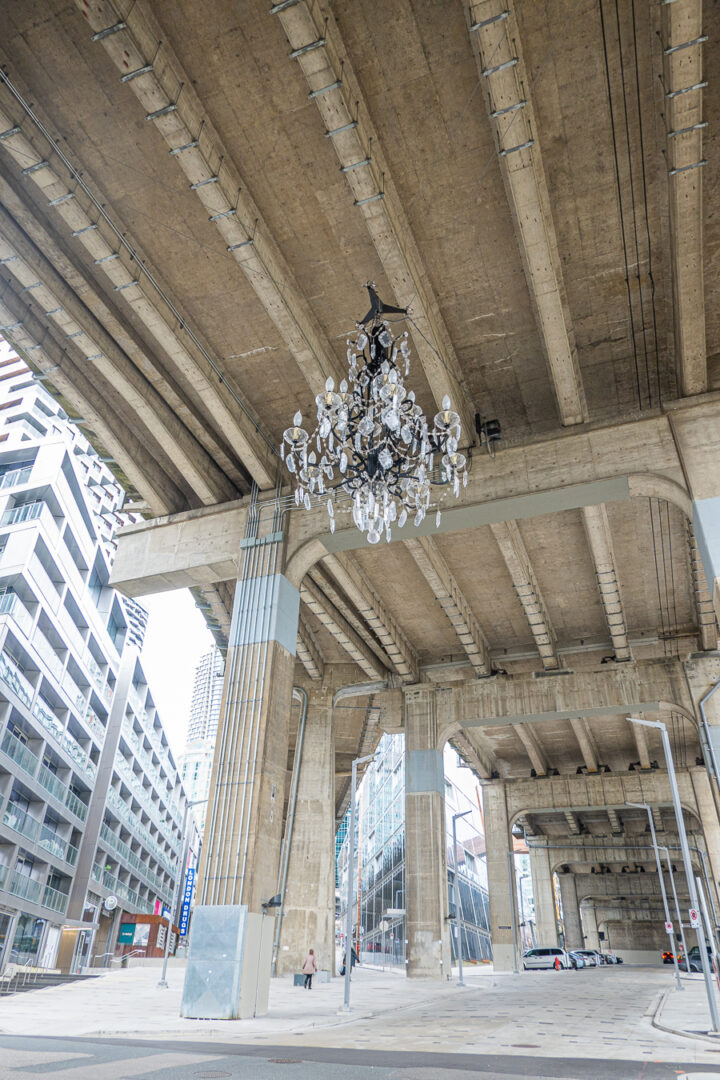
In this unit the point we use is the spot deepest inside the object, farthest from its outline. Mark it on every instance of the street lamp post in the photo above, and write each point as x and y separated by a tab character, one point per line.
458	905
675	898
351	861
687	862
177	886
668	920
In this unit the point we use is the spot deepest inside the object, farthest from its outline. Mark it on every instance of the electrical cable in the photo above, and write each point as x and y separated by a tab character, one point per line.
620	202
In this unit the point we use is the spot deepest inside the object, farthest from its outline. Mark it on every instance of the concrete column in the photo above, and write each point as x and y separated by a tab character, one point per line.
243	829
228	970
707	814
309	908
544	895
498	843
426	886
590	927
571	911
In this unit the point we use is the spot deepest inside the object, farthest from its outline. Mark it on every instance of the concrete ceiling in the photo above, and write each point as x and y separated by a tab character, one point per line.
183	254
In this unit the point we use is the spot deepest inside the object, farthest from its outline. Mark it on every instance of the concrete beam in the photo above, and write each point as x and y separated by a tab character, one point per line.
341	630
523	577
60	304
681	39
616	825
597	530
586	742
308	651
109	255
361	593
642	745
447	592
497	46
344	110
578	469
318	574
481	760
572	822
535	752
143	44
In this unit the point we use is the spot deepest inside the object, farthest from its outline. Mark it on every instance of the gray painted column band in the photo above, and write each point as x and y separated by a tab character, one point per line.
266	609
424	771
706	523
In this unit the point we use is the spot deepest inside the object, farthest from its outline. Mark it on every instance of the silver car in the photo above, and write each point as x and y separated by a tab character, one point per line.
591	957
535	959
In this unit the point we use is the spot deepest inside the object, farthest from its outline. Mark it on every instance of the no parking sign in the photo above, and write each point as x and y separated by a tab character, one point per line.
694	917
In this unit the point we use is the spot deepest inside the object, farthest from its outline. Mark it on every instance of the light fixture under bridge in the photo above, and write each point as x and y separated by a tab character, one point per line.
374	436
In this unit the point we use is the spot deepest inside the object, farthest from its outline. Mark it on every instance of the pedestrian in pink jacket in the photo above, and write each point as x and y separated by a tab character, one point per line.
309	968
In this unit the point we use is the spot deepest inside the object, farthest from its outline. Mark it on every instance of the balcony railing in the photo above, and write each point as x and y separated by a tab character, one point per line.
57	901
76	805
11	674
124	811
48	655
21	822
42	711
19	752
121	848
15	477
96	672
95	724
74	692
25	887
11	604
26	512
56	846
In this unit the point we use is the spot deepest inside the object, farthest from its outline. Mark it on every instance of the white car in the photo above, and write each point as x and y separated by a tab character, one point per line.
591	957
534	959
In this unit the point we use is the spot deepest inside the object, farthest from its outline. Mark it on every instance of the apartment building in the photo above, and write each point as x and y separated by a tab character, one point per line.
91	803
197	758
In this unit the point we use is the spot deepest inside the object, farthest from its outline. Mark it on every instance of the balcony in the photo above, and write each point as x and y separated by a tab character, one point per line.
121	848
55	900
25	887
16	477
11	604
21	822
17	514
48	655
55	845
42	711
19	753
74	692
76	806
95	724
13	677
96	673
125	813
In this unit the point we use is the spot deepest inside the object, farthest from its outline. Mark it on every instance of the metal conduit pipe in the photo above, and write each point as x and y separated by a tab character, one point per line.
300	695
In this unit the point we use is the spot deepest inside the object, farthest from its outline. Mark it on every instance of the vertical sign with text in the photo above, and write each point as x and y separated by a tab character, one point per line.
186	898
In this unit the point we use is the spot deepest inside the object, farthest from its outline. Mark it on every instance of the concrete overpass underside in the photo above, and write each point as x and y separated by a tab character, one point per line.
191	197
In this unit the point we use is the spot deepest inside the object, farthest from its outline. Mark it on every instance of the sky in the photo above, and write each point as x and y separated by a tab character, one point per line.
175	640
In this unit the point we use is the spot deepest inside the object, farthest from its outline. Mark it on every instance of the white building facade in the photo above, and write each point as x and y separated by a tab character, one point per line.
91	803
197	758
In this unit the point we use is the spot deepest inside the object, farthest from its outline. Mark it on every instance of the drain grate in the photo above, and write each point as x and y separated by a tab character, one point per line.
526	1046
285	1061
213	1075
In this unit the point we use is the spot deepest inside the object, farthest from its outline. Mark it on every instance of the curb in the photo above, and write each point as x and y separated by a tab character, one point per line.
709	1040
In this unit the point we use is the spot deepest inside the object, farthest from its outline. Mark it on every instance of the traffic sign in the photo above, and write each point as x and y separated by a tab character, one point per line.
694	917
668	928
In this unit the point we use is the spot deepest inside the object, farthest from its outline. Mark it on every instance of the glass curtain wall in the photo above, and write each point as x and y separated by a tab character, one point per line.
379	911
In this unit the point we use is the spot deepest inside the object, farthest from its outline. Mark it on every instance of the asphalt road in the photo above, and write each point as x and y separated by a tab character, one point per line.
25	1058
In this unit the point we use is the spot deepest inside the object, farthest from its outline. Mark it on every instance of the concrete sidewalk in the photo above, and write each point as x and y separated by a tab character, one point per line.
686	1012
129	1002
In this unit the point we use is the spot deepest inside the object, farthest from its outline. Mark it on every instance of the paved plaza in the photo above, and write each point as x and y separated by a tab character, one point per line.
596	1023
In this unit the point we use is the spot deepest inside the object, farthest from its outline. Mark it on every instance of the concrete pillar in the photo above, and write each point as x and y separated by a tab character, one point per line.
707	813
544	896
426	885
228	967
243	829
309	908
571	911
590	927
498	843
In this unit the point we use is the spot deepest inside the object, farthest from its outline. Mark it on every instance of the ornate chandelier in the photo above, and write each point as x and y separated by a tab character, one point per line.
371	432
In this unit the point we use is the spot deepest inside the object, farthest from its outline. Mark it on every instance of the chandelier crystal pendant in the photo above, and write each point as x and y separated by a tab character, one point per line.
374	437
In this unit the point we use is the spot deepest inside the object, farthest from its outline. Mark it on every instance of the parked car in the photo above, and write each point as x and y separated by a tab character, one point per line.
577	960
610	958
695	963
535	959
592	956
